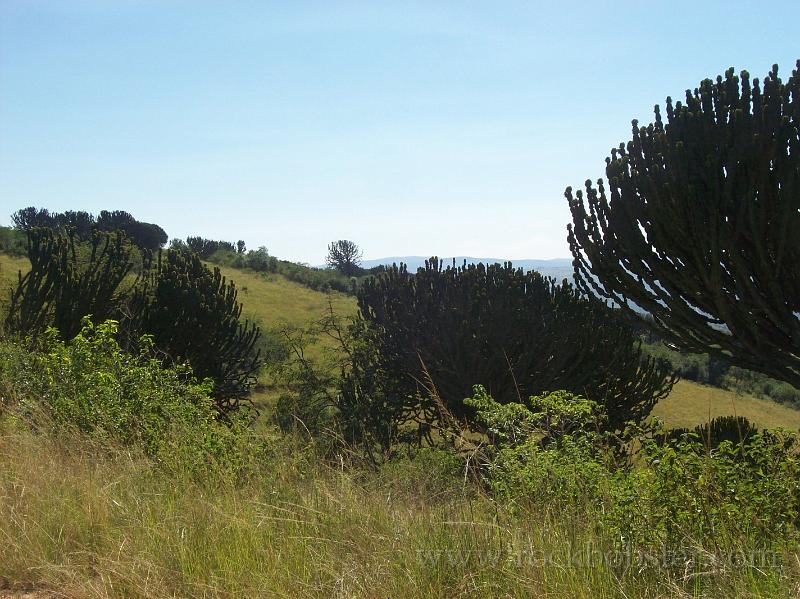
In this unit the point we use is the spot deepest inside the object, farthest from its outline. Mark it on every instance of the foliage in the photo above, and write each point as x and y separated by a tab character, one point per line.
205	248
145	236
677	498
711	370
345	256
193	315
67	281
698	229
191	312
91	384
12	241
260	261
319	279
518	334
686	497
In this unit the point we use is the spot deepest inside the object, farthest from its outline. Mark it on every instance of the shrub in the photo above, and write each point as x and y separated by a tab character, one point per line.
686	498
94	386
12	242
676	498
548	452
193	315
260	261
518	334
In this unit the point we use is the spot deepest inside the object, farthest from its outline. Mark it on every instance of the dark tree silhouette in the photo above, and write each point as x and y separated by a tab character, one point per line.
194	316
344	256
192	312
698	223
67	281
518	334
31	218
145	236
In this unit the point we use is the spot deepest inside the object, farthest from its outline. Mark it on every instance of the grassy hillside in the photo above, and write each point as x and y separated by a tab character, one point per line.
691	403
9	267
273	300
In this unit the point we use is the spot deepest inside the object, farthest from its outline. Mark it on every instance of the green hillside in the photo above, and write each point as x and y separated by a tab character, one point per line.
9	267
690	404
273	300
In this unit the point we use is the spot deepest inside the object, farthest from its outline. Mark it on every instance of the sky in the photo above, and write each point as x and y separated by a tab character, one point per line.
411	128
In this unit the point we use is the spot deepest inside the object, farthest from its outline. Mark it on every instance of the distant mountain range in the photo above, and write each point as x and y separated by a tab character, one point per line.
558	268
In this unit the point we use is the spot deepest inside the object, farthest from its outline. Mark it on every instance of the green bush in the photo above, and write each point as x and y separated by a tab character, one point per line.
546	453
12	242
684	497
676	497
93	386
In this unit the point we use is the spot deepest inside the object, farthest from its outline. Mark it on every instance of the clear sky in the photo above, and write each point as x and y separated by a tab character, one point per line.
412	128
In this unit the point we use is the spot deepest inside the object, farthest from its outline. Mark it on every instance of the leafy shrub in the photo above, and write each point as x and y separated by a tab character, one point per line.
260	261
548	452
12	242
676	498
319	279
684	497
94	386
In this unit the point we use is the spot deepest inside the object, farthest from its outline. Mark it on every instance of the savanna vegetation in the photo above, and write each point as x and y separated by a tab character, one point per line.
471	430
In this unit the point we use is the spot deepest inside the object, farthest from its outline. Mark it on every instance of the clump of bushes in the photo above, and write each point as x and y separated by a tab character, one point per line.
93	386
423	340
12	241
192	312
673	497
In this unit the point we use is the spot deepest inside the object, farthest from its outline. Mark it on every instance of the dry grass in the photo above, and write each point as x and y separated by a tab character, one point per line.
9	268
81	520
690	404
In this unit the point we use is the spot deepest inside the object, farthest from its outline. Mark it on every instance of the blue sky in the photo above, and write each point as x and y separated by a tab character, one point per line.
411	128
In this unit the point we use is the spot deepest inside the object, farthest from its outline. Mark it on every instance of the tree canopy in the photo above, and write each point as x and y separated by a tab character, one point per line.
696	223
345	256
516	333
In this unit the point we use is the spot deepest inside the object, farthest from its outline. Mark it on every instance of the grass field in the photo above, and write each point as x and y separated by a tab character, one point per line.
274	300
690	404
9	267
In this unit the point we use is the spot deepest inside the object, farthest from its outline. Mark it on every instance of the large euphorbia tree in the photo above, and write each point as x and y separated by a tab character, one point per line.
698	223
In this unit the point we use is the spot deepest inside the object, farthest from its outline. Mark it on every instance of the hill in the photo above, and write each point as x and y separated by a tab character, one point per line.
273	300
691	403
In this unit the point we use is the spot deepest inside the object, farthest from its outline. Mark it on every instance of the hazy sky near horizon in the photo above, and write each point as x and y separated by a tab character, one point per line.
412	128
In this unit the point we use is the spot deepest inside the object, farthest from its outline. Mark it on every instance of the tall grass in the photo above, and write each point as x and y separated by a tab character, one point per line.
85	520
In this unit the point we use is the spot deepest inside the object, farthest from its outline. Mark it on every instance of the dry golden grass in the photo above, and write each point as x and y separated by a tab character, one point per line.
78	519
690	404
